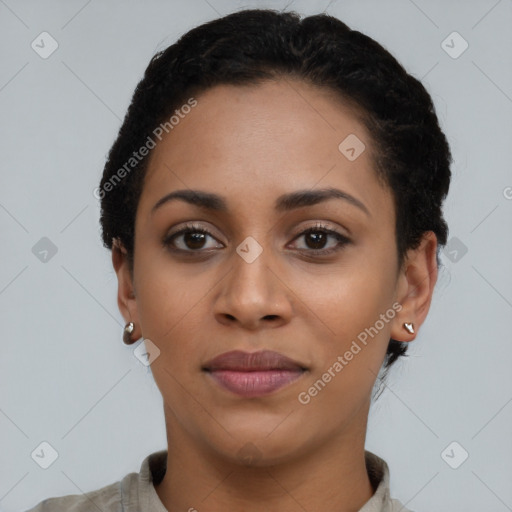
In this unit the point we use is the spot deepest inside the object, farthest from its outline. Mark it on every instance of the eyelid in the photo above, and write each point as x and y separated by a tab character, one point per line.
190	226
322	226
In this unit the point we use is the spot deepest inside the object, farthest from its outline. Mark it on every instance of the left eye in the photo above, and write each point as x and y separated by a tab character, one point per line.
318	236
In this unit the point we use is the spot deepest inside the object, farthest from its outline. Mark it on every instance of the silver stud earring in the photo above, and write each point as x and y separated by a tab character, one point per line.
127	334
409	327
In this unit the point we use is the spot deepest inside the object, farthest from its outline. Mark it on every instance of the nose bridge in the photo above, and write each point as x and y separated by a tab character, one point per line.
251	291
252	278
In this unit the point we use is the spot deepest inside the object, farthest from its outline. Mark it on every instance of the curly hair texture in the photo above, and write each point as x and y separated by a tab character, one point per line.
410	152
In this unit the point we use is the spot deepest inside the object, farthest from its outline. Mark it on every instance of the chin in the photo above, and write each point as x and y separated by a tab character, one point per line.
259	449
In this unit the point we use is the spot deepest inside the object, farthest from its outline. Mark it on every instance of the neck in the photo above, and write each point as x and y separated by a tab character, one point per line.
331	477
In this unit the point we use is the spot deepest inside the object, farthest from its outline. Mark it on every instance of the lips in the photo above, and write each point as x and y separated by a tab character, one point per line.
253	374
237	360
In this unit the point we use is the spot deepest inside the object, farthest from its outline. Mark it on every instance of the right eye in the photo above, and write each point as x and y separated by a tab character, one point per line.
193	239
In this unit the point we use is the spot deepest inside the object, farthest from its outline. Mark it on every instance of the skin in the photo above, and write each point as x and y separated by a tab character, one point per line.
252	144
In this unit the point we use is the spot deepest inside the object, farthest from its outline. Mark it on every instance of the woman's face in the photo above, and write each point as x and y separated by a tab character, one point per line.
257	282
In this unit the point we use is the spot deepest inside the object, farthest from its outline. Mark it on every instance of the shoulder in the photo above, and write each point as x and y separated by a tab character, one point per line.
107	499
381	501
125	494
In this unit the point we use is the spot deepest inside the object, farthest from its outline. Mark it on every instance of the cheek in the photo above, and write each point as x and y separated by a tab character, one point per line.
356	305
351	299
348	362
169	306
171	313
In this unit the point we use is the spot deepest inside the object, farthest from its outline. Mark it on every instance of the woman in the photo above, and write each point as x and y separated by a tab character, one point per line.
273	203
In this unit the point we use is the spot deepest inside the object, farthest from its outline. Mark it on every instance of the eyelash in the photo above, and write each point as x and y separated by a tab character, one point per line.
194	228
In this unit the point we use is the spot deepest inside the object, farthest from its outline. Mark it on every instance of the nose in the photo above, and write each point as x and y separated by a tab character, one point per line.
254	295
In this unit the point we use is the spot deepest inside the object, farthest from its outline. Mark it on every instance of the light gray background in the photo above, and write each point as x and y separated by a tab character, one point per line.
67	378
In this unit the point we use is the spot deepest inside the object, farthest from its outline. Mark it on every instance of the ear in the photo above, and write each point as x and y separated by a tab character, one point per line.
126	292
415	287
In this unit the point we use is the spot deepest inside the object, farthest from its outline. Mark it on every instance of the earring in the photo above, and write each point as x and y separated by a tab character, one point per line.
127	334
409	327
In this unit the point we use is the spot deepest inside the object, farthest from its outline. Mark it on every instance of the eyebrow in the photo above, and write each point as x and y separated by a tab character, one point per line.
285	202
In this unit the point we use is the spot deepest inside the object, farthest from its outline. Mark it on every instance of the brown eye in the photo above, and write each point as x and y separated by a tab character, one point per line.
317	237
193	239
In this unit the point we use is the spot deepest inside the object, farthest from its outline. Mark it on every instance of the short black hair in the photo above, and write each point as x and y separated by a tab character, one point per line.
410	152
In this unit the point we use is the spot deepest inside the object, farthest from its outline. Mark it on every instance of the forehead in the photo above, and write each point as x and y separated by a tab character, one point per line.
254	143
